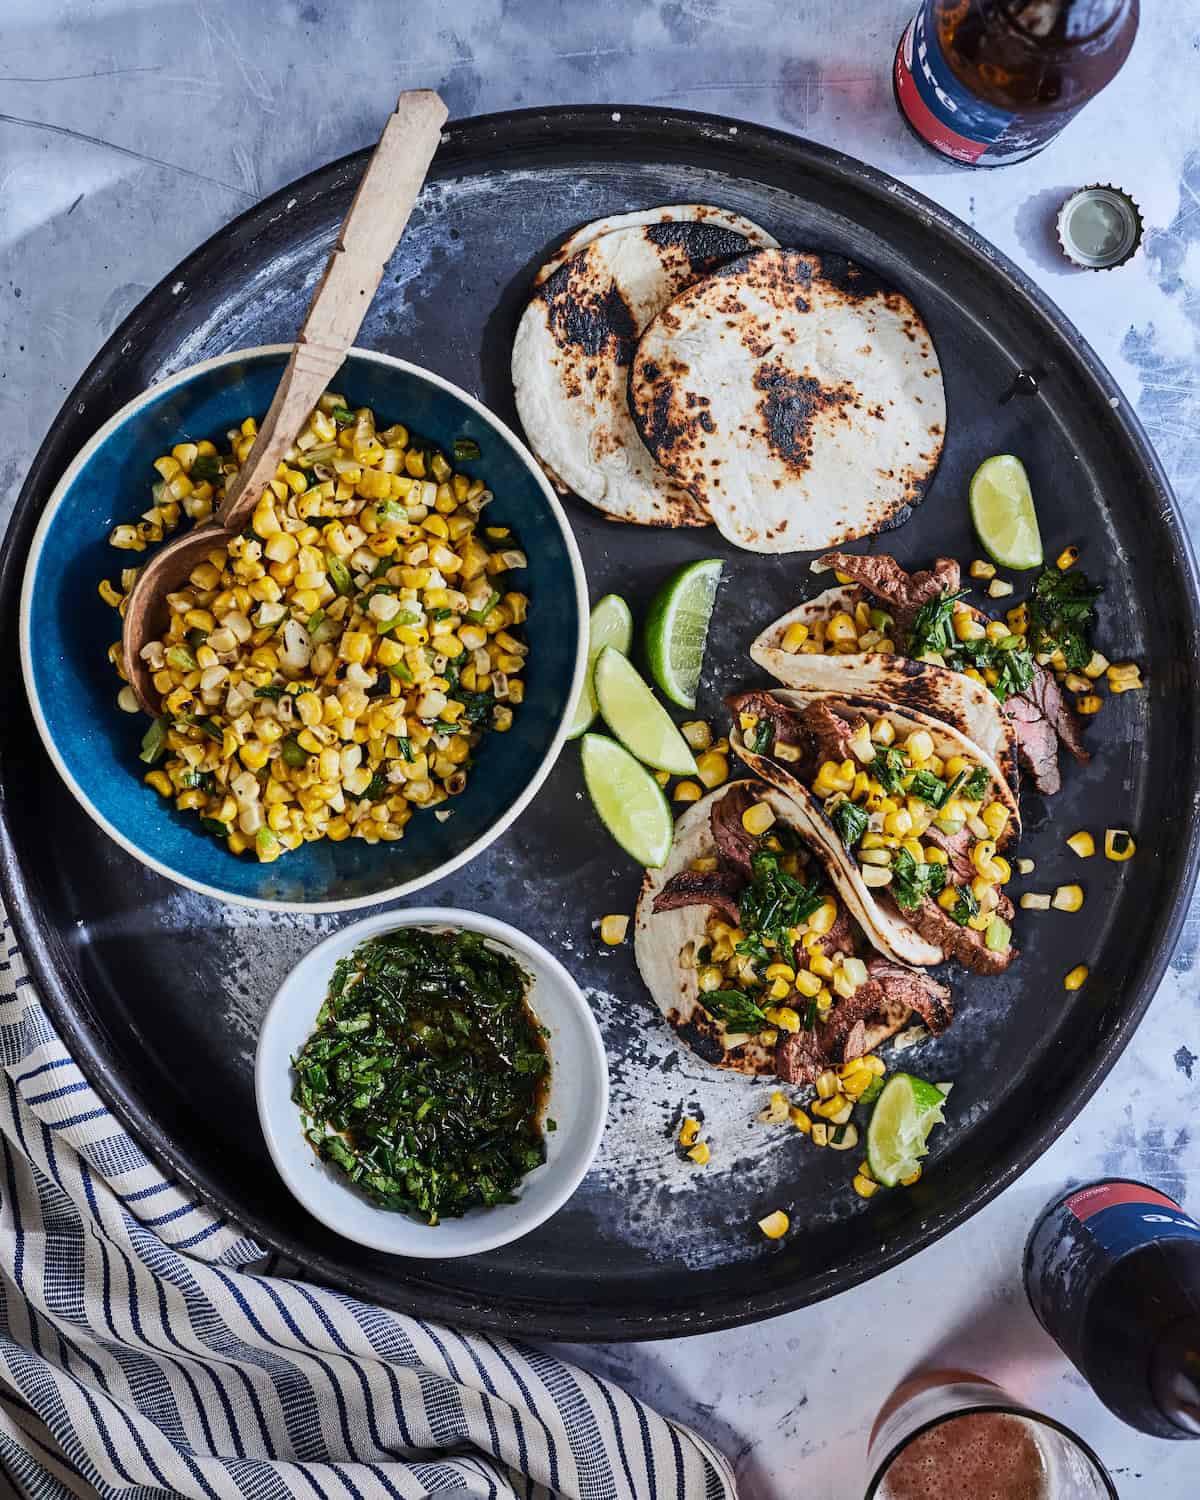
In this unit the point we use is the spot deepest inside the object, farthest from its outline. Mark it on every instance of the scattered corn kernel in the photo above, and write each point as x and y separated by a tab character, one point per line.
1075	979
700	1154
1067	558
687	791
1082	843
1118	844
758	818
613	929
775	1225
981	569
1068	898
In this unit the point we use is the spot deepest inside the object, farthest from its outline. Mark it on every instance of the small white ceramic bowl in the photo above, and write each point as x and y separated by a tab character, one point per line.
578	1100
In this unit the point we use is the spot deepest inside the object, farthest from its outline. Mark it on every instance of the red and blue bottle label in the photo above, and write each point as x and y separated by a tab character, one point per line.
939	108
1122	1216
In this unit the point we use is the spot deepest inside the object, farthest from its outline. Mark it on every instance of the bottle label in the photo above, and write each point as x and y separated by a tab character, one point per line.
1121	1216
938	107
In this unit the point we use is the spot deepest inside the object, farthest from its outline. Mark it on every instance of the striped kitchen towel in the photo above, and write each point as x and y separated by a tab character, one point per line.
141	1355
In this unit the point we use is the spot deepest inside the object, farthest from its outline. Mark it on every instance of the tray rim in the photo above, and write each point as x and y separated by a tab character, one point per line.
679	134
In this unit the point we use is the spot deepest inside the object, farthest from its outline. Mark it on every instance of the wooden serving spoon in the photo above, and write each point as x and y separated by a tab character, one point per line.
369	234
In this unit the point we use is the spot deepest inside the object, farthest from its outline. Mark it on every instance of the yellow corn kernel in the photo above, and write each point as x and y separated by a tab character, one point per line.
933	855
794	636
1096	667
780	971
995	818
999	588
800	1119
1068	898
687	791
865	1187
1082	843
808	984
782	1016
911	1180
1088	703
613	929
355	646
948	898
1067	558
841	629
160	781
700	1154
967	627
712	768
775	1225
253	755
756	819
1076	978
696	732
1118	844
981	569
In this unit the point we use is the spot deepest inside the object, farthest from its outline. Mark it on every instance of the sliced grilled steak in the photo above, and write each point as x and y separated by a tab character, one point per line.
799	1058
1037	743
718	889
931	1000
904	593
820	733
957	847
735	846
1043	701
936	925
842	937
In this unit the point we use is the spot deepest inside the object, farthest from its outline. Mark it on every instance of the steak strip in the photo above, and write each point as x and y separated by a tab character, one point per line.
734	845
936	925
816	730
718	889
904	593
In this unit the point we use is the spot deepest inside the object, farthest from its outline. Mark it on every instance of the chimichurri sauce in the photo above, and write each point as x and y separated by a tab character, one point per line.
425	1077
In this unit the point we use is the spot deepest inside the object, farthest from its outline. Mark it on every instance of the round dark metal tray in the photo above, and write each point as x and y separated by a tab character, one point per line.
158	991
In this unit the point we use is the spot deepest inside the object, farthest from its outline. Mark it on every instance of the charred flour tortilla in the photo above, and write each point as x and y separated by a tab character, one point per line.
667	213
797	397
790	737
571	359
676	905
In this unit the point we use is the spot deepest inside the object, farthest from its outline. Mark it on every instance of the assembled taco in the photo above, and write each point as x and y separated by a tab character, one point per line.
912	812
912	639
756	951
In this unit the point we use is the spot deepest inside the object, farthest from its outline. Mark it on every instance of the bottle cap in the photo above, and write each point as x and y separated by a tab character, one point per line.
1099	227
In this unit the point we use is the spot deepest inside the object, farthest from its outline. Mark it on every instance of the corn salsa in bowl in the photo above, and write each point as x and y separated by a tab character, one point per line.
67	627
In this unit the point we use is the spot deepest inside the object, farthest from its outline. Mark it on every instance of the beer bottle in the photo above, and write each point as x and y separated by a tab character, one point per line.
1113	1273
990	82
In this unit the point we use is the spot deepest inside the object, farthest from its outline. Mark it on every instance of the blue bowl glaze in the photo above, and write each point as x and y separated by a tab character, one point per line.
66	630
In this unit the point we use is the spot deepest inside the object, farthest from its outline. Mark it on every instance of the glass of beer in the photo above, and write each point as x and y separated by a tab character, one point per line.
948	1435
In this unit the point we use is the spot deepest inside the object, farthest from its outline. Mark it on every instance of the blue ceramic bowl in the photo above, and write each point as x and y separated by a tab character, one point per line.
66	629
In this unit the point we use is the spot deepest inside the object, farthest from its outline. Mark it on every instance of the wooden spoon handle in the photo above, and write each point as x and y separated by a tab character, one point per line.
369	234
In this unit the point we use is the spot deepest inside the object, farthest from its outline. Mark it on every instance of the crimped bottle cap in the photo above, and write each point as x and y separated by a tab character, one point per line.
1099	227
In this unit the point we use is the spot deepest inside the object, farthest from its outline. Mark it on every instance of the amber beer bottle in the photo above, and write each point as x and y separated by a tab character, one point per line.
1113	1273
990	82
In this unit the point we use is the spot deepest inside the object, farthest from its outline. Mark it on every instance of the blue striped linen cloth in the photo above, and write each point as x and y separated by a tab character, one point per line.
140	1355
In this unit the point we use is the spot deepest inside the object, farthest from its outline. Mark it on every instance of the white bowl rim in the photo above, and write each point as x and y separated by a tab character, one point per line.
430	916
263	903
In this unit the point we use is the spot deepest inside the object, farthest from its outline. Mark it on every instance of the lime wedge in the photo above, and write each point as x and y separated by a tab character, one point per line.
629	800
905	1112
611	624
636	716
677	628
1003	513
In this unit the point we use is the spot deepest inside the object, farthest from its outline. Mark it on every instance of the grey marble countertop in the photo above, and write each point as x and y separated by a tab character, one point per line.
129	132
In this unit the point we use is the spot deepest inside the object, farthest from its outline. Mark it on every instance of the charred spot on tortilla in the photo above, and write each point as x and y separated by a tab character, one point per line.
596	322
790	407
704	244
703	1036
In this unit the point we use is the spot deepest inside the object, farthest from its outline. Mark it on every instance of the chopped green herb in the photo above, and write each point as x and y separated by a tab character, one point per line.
404	745
932	629
889	769
775	901
872	1090
391	510
215	827
911	882
736	1008
851	822
292	753
1061	614
374	789
343	416
976	786
181	659
424	1078
196	638
206	468
465	449
273	690
154	741
207	726
315	621
398	669
965	907
928	787
440	614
